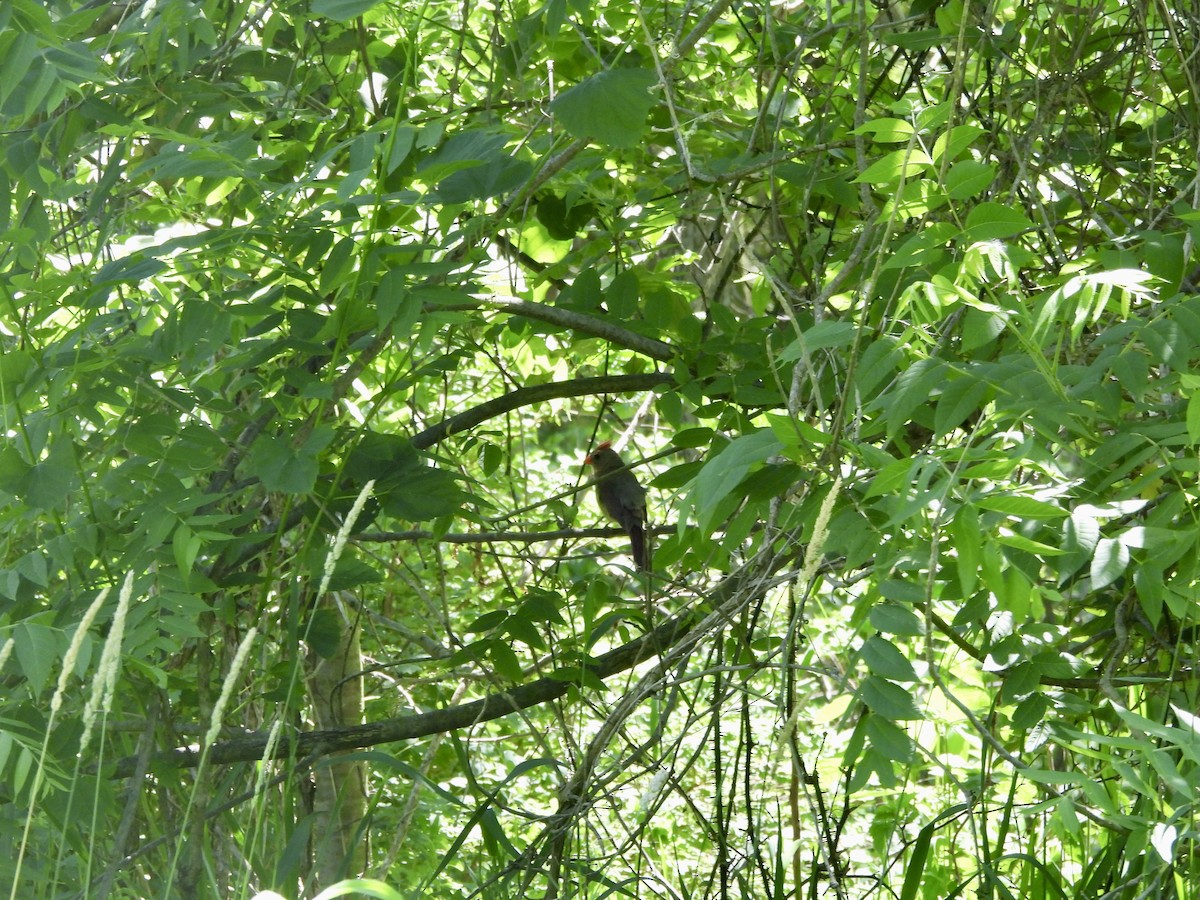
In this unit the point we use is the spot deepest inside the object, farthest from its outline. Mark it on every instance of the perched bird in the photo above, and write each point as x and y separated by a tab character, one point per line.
622	499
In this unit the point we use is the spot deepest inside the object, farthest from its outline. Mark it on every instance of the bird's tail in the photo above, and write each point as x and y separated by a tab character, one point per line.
639	540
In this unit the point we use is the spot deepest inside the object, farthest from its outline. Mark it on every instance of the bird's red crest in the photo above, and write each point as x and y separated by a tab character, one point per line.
590	459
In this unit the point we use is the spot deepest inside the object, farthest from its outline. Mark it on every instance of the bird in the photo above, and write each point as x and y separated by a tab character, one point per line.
622	498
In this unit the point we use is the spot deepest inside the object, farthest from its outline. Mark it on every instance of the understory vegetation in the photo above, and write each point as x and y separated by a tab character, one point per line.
312	310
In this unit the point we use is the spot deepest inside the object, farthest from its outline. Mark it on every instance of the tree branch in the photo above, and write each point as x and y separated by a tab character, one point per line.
509	537
538	393
253	746
584	324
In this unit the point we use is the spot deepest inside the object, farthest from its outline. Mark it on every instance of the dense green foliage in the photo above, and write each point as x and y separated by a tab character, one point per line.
310	310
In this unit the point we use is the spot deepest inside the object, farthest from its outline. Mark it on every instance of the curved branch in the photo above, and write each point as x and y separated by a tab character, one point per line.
504	537
538	393
584	324
253	746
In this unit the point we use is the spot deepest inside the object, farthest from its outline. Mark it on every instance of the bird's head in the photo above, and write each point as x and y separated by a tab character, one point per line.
599	455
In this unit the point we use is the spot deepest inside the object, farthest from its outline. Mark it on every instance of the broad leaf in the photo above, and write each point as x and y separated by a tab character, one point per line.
610	107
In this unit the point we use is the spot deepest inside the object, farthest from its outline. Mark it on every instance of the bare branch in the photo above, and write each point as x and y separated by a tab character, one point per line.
538	393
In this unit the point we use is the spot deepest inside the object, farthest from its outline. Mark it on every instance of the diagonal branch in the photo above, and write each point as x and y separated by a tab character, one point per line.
686	628
582	323
253	746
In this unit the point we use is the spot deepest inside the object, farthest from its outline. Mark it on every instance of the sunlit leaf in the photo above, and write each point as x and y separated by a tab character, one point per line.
969	178
891	618
887	130
1109	562
884	658
910	162
1021	507
725	472
992	221
887	699
342	10
610	107
952	143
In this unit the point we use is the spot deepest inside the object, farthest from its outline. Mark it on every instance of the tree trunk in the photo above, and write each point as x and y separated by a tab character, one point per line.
340	796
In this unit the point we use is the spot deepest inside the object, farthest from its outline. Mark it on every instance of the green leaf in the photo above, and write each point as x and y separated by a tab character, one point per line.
405	485
797	436
953	142
505	660
466	149
44	485
1020	542
420	493
396	306
342	10
969	178
542	606
914	388
1020	681
186	545
1021	507
888	131
1030	712
887	699
880	361
18	60
690	438
486	622
960	398
925	248
582	676
39	649
499	174
918	40
1082	530
32	566
561	222
902	590
610	107
724	473
994	221
1149	581
350	573
891	478
13	470
399	144
897	166
324	632
622	294
473	165
884	659
1165	258
968	540
1052	776
1109	562
15	365
520	628
336	267
824	335
891	618
889	739
282	467
914	869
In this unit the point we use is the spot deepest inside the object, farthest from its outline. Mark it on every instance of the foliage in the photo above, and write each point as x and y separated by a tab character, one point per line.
311	309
